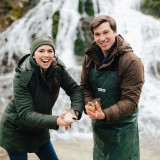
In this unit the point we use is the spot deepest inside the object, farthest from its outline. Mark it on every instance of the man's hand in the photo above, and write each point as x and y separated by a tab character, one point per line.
95	115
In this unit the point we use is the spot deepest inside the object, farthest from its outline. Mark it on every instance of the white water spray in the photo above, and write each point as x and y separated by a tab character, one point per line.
140	30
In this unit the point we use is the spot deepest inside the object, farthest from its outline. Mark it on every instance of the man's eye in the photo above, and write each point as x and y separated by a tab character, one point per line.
96	35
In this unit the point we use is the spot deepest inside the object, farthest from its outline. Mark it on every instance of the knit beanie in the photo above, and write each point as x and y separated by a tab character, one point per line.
41	40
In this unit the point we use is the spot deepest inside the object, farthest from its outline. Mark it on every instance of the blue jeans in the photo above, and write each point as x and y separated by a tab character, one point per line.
45	152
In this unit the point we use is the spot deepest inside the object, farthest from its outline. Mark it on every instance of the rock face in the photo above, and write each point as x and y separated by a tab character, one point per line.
10	11
84	36
151	7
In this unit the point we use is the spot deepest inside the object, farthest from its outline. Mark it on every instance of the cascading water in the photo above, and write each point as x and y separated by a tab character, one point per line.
141	31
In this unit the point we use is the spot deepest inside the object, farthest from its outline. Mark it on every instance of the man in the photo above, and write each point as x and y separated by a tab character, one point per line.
112	73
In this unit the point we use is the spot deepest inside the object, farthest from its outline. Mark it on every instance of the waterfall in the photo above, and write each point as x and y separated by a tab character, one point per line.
141	31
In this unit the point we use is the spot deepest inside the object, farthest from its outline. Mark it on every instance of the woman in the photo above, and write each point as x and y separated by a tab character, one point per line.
27	118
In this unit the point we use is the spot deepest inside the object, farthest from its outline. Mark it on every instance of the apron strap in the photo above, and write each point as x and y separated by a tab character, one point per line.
112	67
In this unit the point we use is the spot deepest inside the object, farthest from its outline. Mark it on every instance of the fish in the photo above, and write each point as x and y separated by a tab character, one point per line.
70	115
92	106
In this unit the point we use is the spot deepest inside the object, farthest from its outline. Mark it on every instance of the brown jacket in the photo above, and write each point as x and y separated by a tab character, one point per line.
131	74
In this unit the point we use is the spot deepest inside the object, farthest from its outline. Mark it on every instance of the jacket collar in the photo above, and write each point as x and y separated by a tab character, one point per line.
101	55
119	48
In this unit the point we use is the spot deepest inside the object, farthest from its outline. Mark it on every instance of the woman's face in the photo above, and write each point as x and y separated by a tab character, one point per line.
44	56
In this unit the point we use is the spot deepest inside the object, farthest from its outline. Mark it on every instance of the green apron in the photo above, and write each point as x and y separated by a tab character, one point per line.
118	140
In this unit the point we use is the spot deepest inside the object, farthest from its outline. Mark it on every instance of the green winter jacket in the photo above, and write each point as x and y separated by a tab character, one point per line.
28	117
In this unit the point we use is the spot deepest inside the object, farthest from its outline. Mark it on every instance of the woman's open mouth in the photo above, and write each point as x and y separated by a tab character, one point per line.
45	61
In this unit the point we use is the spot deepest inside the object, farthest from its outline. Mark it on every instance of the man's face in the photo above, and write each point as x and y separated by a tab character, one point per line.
104	36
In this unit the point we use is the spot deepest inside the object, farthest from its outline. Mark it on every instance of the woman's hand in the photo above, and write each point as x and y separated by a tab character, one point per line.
98	114
61	122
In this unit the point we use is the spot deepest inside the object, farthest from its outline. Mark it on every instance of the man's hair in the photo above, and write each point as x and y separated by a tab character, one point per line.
97	21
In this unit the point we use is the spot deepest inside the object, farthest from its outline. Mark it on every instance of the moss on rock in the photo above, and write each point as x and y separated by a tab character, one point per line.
86	6
89	8
55	19
84	37
151	7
